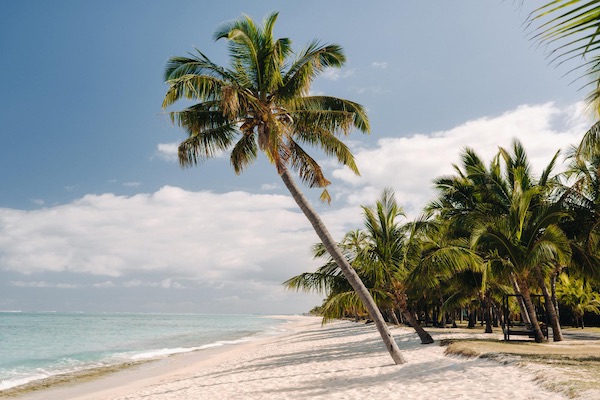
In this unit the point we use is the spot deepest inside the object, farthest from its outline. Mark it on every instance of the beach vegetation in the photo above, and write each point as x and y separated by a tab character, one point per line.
493	230
578	295
512	221
398	261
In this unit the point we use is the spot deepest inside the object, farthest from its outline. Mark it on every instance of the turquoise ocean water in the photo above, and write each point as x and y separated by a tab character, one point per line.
39	345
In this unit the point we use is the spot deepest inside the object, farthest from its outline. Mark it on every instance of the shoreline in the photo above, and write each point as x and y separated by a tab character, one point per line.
341	360
86	383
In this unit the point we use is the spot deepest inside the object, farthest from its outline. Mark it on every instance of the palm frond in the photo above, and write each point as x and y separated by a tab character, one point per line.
330	144
329	113
195	87
308	169
312	282
243	153
572	30
310	62
195	64
206	144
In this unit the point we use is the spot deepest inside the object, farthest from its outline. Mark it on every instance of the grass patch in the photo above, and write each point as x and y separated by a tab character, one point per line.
569	367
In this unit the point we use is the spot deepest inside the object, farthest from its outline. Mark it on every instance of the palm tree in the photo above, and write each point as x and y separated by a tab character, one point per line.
262	102
579	296
432	257
388	255
527	238
512	219
582	199
377	254
466	200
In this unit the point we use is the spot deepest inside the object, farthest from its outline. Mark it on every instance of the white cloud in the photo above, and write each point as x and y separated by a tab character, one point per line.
379	64
167	151
173	233
409	164
334	74
269	186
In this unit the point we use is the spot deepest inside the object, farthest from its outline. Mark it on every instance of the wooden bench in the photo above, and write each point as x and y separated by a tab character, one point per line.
523	330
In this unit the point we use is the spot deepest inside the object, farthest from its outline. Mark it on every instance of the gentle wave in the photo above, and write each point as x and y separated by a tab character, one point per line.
188	334
155	354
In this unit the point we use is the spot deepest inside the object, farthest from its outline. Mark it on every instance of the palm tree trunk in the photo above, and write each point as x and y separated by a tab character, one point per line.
497	315
472	318
535	325
557	335
410	317
393	316
344	265
487	315
517	289
553	278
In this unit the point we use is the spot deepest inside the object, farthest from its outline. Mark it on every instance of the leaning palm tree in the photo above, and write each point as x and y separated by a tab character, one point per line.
262	102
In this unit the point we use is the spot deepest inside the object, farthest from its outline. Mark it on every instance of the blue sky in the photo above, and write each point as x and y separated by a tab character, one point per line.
95	214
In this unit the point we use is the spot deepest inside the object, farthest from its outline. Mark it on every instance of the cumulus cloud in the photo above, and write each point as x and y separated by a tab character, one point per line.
174	232
167	151
409	164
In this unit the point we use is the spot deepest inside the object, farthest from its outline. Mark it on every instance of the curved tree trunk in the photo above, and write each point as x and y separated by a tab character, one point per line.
553	278
472	318
487	315
535	325
557	335
344	265
442	313
497	315
403	306
517	289
393	316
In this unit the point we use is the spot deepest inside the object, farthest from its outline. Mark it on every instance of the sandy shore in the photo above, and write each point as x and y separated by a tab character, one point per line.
341	360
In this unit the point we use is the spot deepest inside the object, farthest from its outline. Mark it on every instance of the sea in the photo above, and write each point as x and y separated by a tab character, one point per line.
36	346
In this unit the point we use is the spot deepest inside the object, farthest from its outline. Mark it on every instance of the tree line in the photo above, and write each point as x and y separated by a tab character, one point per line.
493	229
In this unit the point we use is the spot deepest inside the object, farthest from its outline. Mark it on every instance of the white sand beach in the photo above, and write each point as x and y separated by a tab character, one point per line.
341	360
